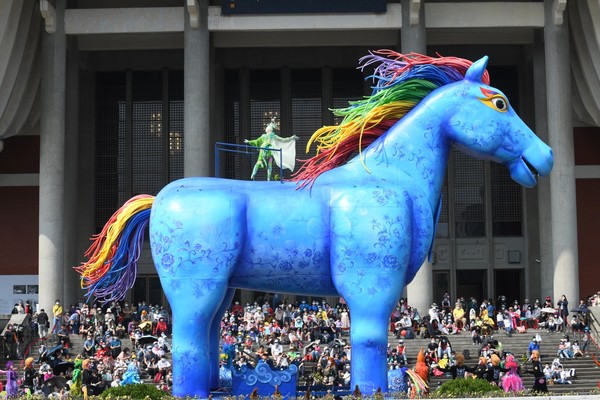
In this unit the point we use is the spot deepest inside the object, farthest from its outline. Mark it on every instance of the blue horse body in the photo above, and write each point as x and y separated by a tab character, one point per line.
357	233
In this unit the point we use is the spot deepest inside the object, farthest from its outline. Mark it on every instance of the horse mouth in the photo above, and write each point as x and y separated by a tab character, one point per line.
533	170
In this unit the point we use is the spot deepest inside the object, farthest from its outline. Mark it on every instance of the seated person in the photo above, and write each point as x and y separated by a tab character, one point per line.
576	349
89	346
577	323
115	346
63	336
103	350
120	331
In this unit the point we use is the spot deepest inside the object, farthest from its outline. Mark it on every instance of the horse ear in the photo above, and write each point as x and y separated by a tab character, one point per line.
476	70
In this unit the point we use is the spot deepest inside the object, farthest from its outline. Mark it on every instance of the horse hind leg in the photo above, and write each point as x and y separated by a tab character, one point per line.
194	310
195	237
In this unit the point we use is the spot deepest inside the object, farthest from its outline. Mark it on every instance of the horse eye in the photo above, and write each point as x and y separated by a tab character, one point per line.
500	103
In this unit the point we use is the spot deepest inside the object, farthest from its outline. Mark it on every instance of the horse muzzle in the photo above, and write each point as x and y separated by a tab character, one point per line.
535	161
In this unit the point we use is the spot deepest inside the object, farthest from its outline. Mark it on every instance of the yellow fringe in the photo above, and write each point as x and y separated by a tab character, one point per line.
117	223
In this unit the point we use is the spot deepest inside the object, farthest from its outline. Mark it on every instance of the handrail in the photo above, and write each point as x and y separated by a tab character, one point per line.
243	149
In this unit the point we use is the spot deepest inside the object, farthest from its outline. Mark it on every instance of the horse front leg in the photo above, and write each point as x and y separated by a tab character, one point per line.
215	330
369	259
194	305
368	335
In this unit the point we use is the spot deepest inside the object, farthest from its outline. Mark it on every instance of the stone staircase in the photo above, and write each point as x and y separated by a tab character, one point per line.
587	373
77	346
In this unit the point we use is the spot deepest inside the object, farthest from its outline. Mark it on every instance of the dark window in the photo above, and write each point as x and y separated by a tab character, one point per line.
231	163
307	108
442	230
506	203
110	121
348	85
139	136
469	195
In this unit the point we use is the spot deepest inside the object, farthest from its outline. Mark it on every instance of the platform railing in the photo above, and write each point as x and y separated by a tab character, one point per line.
243	149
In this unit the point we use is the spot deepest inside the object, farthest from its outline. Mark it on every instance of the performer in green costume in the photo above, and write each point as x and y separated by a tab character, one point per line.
270	139
75	389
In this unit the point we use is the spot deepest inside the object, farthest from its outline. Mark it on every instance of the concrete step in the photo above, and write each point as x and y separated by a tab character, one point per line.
587	372
586	379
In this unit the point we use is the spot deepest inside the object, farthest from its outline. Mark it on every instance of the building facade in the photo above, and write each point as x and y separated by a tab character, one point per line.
103	100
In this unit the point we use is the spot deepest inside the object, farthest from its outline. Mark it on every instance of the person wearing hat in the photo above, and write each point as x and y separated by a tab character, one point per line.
89	384
11	380
110	320
434	313
534	345
539	379
30	374
482	369
401	352
99	320
585	340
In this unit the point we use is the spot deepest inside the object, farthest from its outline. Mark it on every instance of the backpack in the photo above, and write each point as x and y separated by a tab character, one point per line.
467	354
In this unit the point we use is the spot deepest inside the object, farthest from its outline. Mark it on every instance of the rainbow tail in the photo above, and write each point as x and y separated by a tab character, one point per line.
112	258
419	386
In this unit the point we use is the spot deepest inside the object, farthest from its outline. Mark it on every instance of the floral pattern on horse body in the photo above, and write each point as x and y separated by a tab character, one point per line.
355	225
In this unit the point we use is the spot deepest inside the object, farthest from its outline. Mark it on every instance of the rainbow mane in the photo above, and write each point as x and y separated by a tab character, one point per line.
112	258
401	81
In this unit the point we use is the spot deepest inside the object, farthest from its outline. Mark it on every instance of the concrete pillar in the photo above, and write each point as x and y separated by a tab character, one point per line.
197	146
413	38
52	164
562	179
71	278
544	209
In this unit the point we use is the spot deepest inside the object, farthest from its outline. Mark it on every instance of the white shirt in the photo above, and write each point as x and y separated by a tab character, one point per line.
163	363
276	349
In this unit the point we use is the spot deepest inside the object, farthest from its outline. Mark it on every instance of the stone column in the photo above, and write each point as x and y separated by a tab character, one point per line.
197	146
52	164
71	278
413	38
560	133
541	129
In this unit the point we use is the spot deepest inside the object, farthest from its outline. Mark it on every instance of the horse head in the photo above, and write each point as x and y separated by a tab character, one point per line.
482	123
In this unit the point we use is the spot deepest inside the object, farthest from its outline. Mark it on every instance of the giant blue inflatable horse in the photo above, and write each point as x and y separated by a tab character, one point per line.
359	229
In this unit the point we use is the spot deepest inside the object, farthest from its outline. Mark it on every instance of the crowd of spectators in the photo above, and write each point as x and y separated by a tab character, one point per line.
314	332
483	318
116	337
122	344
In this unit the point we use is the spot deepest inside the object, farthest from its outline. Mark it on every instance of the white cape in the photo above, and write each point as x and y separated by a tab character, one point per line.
288	152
